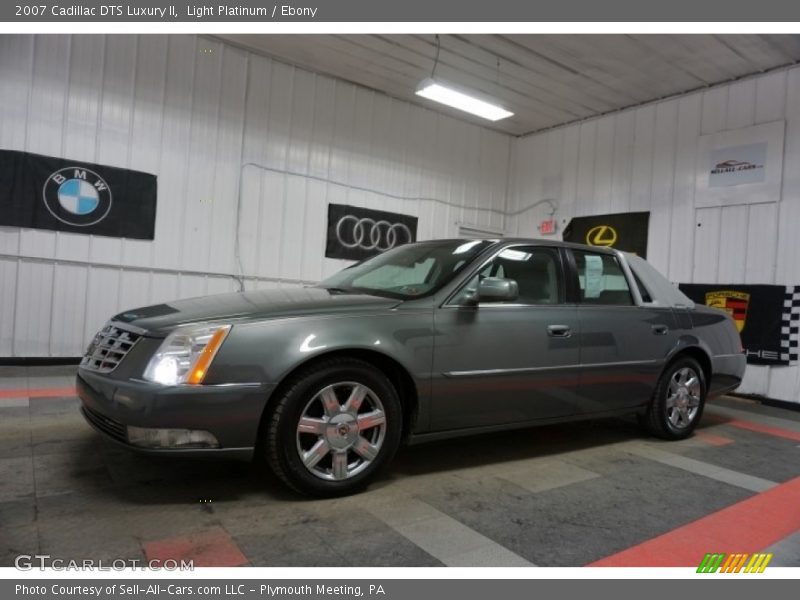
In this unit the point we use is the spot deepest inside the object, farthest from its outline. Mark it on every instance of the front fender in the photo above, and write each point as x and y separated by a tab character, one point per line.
267	351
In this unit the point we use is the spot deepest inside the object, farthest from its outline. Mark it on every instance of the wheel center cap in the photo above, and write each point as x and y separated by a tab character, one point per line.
342	431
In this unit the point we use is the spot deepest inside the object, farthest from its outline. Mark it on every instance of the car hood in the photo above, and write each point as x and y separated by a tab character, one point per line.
159	319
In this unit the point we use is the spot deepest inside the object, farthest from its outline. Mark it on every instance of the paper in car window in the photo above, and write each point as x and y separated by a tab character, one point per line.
594	276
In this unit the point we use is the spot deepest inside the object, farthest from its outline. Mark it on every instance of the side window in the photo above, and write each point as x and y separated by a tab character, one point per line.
535	269
601	279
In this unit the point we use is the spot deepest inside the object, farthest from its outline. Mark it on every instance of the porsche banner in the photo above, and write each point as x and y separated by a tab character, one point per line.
44	192
623	231
767	317
357	233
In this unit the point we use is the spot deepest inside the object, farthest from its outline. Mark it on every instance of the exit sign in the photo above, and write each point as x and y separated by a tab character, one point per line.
547	227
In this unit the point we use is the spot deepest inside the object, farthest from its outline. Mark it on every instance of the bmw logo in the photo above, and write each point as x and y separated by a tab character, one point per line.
77	196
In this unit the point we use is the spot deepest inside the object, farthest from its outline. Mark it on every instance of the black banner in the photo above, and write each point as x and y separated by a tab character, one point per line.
623	231
765	316
44	192
358	233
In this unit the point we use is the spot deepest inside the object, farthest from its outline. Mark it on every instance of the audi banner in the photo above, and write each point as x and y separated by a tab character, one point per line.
44	192
358	233
623	231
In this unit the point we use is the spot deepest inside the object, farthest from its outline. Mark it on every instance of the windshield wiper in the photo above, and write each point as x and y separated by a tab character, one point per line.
338	290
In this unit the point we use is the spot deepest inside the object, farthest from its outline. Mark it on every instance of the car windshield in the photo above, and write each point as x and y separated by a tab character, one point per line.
409	271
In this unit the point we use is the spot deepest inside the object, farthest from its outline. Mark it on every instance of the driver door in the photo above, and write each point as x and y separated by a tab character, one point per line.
507	362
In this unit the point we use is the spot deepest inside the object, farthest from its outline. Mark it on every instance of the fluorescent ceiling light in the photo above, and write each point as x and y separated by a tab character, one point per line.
446	94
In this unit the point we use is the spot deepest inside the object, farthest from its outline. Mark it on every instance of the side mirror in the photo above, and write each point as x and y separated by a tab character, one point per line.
497	289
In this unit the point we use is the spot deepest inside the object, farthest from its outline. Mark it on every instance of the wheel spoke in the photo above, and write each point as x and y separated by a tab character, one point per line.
340	465
671	400
365	450
371	419
315	454
311	425
355	399
692	382
673	416
330	402
694	401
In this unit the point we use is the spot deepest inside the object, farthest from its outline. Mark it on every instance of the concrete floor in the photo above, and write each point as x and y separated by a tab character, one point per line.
565	495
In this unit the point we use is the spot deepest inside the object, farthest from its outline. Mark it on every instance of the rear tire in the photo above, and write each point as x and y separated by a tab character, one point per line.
336	424
678	400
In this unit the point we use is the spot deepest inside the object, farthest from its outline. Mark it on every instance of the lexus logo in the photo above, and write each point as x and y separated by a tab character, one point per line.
602	235
369	234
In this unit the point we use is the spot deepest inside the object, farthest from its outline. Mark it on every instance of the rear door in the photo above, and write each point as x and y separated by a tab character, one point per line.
507	362
622	346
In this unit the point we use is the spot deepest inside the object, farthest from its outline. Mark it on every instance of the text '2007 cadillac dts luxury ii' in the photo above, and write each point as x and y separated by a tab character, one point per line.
425	341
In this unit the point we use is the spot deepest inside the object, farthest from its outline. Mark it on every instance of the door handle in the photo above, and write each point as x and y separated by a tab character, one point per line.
660	329
562	331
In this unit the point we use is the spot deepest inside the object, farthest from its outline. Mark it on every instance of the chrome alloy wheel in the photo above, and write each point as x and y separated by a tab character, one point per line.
341	430
683	397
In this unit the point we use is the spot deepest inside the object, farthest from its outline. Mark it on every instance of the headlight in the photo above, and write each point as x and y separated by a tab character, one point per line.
185	355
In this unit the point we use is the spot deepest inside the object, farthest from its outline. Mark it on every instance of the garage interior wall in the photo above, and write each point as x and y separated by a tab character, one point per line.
194	111
644	159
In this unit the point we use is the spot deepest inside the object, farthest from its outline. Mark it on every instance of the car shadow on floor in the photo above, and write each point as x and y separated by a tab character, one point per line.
137	479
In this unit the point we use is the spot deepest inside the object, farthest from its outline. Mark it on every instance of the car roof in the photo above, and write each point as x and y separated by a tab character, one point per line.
520	240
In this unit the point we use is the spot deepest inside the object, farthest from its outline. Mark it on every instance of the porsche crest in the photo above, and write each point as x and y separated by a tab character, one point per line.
733	302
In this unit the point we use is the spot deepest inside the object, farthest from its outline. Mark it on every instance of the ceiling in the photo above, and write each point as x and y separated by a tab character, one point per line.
546	80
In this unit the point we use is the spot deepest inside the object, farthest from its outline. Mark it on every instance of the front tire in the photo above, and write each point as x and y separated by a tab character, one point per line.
678	400
337	423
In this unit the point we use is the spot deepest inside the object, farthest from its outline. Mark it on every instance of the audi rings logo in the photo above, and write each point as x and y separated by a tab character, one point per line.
369	234
356	233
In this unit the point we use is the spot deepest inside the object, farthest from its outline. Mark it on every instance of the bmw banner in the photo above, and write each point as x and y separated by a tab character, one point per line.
623	231
767	317
43	192
358	233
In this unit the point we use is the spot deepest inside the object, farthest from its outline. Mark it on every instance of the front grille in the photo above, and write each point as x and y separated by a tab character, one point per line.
109	426
108	348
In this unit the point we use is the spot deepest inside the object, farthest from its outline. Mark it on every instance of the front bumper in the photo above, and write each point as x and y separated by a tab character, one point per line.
231	413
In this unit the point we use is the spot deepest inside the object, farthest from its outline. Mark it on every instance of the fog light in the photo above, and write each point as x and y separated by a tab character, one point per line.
146	437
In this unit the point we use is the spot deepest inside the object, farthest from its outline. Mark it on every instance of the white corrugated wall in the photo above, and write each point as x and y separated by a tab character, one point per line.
644	159
195	111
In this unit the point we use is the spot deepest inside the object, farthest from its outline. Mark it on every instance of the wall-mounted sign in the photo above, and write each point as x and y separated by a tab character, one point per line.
742	166
623	231
738	165
766	316
43	192
357	233
547	227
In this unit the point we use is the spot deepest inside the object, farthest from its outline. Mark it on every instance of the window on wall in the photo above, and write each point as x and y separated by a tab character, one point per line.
535	269
602	280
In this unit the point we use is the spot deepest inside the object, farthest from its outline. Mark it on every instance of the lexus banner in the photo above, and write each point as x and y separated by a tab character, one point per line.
44	192
623	231
767	317
358	233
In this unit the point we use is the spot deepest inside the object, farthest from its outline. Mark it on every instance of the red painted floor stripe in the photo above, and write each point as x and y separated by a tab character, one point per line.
38	393
712	439
769	430
210	548
747	526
